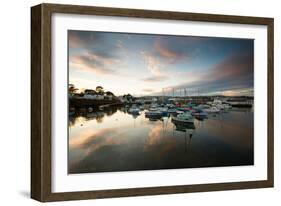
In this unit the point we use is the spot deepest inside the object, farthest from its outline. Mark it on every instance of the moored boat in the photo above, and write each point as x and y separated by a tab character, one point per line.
213	110
134	110
183	118
172	111
199	113
153	114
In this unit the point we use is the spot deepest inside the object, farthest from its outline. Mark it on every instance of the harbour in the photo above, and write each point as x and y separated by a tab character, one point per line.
160	136
152	102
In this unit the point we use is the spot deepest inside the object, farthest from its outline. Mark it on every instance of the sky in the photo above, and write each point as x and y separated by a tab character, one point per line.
152	64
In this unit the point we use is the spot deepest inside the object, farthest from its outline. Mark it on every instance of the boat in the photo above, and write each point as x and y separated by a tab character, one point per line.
221	105
185	127
172	111
151	114
201	106
213	110
180	112
170	106
154	119
199	113
134	110
153	108
163	110
183	118
183	109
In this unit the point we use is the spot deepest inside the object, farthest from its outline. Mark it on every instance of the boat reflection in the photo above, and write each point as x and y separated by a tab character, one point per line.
134	140
188	130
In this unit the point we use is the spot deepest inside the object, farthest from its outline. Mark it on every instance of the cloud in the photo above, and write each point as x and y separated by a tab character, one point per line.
234	66
152	64
81	39
148	90
178	49
234	75
165	52
93	62
155	68
74	41
154	79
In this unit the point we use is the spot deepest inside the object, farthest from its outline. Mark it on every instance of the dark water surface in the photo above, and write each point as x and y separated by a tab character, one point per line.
114	140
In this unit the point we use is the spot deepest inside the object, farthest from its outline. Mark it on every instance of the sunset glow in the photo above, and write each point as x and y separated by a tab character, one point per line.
144	64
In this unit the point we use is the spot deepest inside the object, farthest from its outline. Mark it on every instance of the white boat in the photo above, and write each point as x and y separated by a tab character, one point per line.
153	108
221	105
134	110
172	111
183	118
202	106
180	112
212	110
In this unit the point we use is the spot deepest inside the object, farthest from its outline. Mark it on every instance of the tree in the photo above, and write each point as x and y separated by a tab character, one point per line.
90	91
71	89
109	93
99	90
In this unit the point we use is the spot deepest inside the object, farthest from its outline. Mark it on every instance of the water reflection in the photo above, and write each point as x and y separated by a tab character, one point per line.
115	140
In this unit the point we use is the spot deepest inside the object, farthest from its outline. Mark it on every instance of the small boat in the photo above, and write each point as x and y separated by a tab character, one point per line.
212	110
179	112
134	110
153	108
154	119
170	106
199	113
221	105
152	114
184	109
172	111
202	106
164	110
185	127
183	118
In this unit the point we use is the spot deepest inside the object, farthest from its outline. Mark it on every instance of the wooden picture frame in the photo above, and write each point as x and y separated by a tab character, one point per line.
41	173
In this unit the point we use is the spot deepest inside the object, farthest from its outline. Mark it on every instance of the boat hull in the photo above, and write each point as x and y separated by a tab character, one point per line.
181	121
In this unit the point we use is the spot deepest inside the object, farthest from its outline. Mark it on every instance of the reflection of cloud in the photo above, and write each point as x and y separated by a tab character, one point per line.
154	136
236	132
90	140
157	142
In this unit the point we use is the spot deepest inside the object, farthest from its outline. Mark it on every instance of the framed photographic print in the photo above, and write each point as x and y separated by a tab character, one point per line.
132	102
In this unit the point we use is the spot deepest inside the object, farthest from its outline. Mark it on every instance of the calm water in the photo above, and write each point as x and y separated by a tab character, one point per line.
114	140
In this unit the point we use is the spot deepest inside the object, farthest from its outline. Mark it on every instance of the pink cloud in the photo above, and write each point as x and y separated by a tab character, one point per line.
93	62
